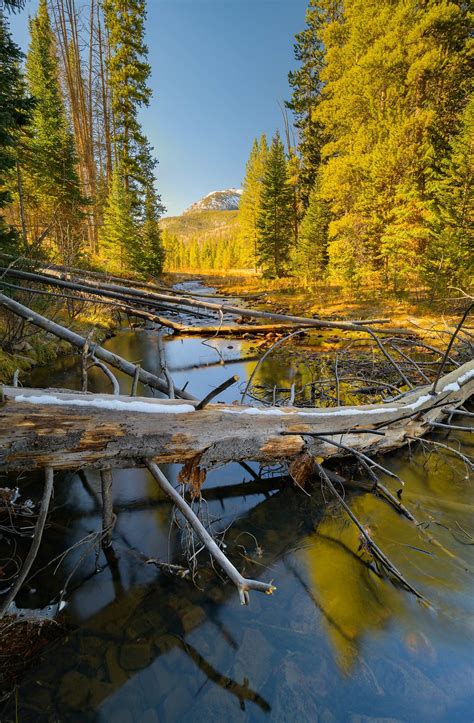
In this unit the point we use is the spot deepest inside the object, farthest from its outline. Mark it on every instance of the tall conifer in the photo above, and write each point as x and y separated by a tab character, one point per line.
250	201
128	74
311	253
306	85
120	236
15	110
274	223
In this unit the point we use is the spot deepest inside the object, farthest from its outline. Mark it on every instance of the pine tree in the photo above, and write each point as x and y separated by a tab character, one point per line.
15	111
306	84
14	5
149	255
311	254
51	177
119	233
393	84
250	201
450	258
274	223
128	73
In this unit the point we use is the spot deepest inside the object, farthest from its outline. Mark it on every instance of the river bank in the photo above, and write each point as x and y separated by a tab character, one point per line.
290	296
27	348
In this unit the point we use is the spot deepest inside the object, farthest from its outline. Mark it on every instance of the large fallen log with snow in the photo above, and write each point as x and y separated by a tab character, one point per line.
41	429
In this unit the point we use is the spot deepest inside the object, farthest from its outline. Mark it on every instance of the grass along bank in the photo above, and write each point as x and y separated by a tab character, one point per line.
24	346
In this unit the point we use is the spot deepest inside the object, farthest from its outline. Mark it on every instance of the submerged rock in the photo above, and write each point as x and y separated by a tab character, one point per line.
135	656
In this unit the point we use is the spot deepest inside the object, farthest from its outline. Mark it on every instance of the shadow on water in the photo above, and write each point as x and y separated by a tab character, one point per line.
336	642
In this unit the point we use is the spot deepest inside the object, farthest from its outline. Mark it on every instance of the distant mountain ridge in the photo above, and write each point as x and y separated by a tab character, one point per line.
226	200
203	225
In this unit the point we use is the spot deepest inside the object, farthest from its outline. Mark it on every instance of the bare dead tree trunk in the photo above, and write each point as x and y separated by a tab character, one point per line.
21	204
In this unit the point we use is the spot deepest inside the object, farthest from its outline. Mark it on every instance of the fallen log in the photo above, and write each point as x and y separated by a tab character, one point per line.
221	330
120	292
144	298
99	302
177	328
79	341
69	430
40	265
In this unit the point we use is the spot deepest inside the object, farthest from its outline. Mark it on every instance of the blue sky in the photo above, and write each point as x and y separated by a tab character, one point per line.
219	68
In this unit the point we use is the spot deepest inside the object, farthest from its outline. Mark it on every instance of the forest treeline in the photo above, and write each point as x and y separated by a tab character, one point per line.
373	187
77	171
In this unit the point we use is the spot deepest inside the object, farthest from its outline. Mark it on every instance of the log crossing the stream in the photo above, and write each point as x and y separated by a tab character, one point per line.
46	428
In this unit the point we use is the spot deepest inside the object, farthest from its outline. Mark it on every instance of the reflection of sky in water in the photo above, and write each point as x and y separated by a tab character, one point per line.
335	643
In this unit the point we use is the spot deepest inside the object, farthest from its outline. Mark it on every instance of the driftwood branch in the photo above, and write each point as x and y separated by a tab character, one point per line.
215	392
243	585
448	348
111	377
35	545
262	359
368	542
108	517
451	450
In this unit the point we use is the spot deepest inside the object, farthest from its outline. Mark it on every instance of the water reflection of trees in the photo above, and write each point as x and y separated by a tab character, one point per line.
146	624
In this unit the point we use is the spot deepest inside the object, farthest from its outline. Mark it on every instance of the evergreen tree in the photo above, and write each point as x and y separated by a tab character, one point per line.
311	255
13	5
306	84
274	223
149	255
15	110
249	206
394	81
50	169
450	258
293	169
119	233
128	74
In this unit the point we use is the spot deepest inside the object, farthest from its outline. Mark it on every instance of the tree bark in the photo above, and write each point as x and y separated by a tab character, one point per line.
69	430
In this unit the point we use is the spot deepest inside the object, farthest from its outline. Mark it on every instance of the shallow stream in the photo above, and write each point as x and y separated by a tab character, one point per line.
335	642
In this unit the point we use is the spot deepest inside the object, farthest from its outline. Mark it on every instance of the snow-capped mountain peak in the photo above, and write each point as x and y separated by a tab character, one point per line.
227	200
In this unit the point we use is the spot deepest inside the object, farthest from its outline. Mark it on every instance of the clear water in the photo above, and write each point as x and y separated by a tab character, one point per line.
334	643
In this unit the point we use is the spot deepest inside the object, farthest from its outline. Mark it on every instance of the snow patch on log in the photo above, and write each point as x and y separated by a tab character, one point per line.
340	412
463	378
112	404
